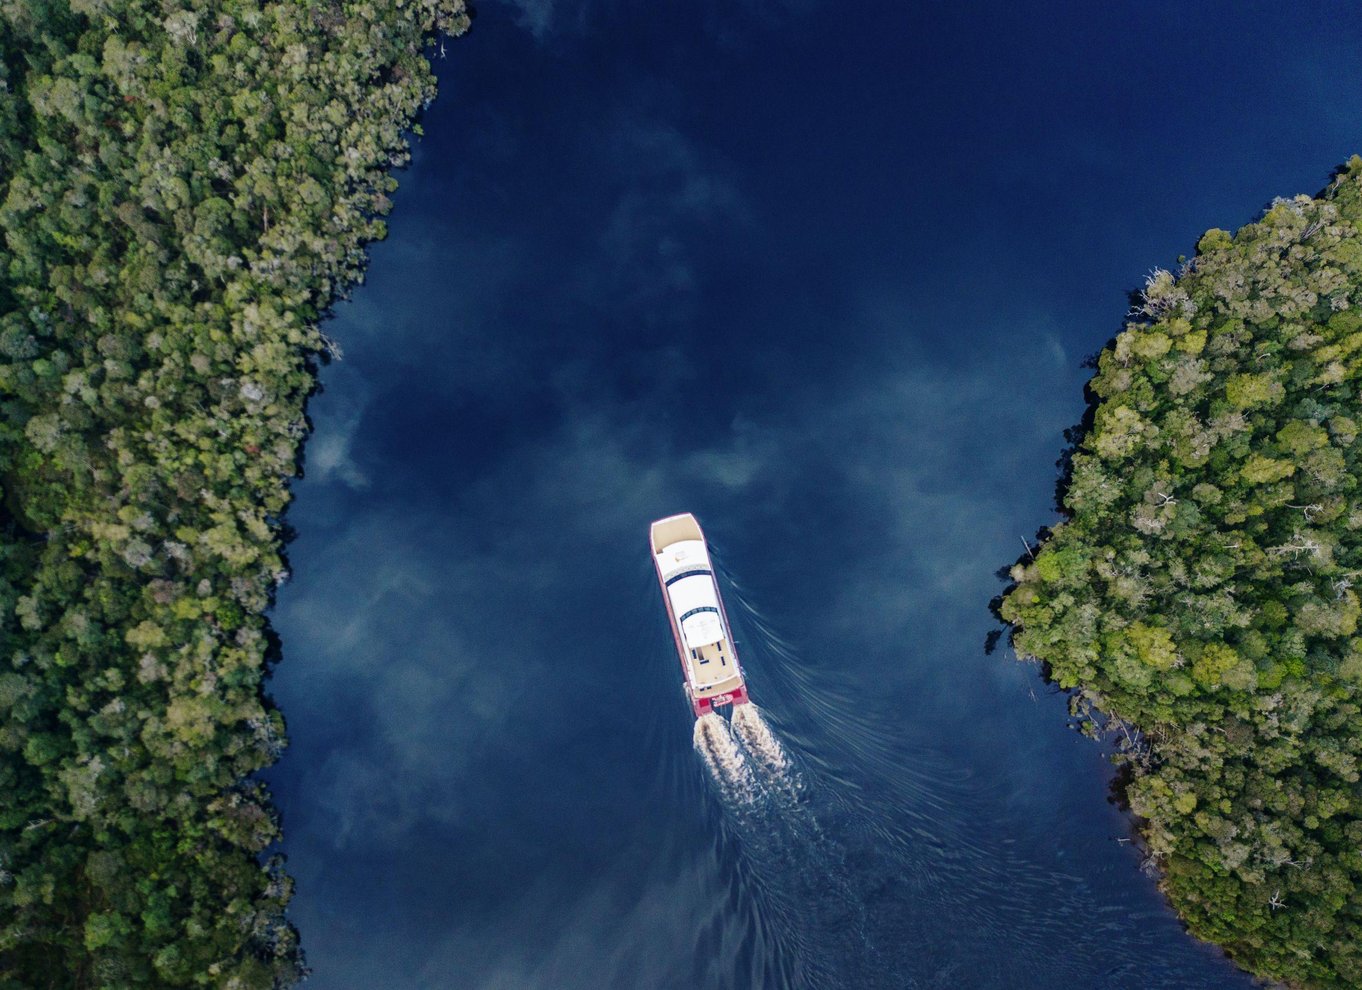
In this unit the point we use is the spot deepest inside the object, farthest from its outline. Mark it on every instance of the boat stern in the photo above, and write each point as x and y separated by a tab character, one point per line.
734	698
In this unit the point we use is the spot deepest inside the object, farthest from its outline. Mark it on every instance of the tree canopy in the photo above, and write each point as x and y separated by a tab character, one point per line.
185	187
1202	589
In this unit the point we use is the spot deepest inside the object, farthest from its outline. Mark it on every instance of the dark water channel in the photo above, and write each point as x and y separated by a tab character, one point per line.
825	277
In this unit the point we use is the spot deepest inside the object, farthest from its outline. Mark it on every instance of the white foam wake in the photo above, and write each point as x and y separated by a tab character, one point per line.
758	739
717	747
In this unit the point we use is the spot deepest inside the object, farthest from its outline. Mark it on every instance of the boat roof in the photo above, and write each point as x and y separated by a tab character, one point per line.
701	629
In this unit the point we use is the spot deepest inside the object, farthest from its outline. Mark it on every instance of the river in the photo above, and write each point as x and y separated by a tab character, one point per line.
826	278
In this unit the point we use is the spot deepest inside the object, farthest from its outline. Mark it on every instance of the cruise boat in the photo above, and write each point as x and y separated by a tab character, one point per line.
700	627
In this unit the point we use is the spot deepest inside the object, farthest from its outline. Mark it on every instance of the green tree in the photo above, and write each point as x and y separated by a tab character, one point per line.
1199	591
185	188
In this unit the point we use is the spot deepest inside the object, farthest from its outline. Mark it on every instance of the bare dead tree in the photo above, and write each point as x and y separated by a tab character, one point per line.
332	348
1299	545
1308	510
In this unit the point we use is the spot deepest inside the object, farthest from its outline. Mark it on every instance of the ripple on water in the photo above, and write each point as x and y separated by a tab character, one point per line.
847	853
882	848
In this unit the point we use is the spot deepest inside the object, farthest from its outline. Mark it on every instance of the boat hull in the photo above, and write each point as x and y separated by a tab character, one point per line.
702	702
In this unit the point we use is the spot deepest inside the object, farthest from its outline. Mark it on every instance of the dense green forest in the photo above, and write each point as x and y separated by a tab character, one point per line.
185	187
1201	593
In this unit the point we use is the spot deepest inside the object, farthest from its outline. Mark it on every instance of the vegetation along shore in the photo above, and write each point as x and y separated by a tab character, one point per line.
186	188
1201	594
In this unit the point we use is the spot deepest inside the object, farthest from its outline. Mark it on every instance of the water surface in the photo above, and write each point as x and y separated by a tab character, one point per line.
825	277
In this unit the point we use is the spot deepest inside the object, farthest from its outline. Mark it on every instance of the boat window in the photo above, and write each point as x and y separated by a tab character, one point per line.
697	611
685	574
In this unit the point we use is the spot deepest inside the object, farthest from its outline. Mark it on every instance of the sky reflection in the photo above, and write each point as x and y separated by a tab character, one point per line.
827	282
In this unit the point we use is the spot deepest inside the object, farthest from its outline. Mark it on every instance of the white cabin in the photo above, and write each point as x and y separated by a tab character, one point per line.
701	628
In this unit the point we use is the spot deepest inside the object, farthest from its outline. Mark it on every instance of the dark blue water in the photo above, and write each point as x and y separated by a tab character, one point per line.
823	275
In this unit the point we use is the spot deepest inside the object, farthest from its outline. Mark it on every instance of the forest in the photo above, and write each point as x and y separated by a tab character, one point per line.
1200	595
186	186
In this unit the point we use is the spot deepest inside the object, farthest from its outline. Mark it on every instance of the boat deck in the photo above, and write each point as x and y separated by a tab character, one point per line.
674	529
712	661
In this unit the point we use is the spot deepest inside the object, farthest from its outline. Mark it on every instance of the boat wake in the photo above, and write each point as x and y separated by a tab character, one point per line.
744	756
726	762
758	739
795	867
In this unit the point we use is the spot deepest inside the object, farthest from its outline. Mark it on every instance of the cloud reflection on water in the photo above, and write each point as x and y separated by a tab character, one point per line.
619	290
442	612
